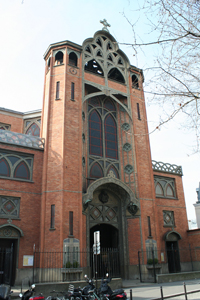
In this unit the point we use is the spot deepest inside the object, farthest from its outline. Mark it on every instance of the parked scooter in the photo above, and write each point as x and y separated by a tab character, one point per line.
89	287
5	292
108	293
28	295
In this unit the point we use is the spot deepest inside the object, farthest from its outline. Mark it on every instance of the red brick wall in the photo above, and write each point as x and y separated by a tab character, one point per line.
30	202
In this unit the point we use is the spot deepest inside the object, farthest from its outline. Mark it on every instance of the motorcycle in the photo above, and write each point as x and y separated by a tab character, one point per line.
87	288
107	293
5	292
28	295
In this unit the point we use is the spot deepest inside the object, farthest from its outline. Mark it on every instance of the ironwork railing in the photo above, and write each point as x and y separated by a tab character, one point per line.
166	167
72	265
20	139
175	260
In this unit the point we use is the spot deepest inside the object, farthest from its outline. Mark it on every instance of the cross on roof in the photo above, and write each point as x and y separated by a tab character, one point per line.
105	23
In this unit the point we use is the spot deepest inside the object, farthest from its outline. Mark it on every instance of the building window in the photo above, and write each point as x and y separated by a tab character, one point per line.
103	139
138	111
58	90
73	59
4	126
116	75
16	165
71	223
72	90
168	218
135	83
48	63
32	127
165	187
52	224
149	225
9	207
59	58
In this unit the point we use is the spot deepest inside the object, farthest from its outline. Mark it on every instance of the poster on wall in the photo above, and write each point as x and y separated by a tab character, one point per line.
27	260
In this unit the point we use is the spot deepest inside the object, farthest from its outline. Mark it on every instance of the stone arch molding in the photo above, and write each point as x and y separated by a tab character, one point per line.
105	50
10	231
131	202
108	93
171	236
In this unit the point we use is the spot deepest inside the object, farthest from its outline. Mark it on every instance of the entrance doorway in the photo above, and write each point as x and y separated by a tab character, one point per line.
107	261
108	236
8	256
173	257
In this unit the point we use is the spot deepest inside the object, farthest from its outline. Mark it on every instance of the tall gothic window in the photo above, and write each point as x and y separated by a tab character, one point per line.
103	141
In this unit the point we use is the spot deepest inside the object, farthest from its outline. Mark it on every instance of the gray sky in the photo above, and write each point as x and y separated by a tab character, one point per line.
28	27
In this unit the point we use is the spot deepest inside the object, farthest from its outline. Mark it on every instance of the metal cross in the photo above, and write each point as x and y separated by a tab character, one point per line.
105	24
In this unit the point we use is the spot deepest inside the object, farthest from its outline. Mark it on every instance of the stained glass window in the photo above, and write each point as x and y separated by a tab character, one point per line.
103	139
4	168
22	171
16	165
111	138
33	130
95	134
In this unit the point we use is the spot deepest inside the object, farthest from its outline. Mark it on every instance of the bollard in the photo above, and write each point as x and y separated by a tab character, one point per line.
185	290
131	296
161	292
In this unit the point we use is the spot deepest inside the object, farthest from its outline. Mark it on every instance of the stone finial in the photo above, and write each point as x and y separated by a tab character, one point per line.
105	24
198	194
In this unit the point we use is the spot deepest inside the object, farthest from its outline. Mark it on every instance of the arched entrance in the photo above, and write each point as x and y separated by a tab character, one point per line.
107	261
9	244
173	256
109	236
107	204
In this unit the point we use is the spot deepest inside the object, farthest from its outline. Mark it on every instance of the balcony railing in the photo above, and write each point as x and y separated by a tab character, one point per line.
166	167
20	139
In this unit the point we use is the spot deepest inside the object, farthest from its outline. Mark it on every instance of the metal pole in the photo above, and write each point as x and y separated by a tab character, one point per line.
96	261
139	266
185	290
161	292
131	295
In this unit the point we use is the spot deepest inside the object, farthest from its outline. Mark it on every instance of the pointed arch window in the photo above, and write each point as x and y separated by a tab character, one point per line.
159	190
165	187
169	191
103	140
73	59
33	130
111	148
95	134
22	171
4	168
116	75
16	165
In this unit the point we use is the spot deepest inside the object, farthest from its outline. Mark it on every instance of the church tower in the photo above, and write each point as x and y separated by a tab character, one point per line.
97	173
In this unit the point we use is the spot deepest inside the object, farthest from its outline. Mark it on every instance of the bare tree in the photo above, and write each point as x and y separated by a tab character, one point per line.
175	76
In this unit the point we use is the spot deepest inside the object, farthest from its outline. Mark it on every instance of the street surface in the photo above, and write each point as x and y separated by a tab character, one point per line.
150	291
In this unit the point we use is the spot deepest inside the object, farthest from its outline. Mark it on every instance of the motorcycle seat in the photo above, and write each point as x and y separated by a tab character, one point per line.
118	291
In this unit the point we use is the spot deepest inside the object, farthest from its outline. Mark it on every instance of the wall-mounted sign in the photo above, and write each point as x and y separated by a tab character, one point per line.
27	260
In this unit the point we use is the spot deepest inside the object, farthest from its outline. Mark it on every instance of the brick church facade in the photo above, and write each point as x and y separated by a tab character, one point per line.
83	164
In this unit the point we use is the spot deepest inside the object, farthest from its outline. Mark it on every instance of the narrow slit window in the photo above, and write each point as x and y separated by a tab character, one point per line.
57	89
149	225
72	90
71	223
138	111
52	216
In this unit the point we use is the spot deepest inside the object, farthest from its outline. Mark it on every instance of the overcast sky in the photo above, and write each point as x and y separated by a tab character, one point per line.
28	27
